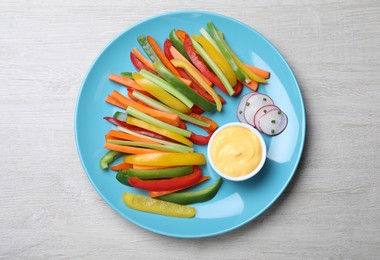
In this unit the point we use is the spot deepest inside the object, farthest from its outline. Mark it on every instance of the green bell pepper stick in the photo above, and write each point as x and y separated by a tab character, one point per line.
183	88
191	197
151	120
109	158
127	74
160	147
177	43
158	173
159	106
147	48
167	86
122	178
215	35
213	66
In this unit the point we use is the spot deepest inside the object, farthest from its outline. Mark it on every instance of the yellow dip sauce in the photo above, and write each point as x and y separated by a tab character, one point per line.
236	151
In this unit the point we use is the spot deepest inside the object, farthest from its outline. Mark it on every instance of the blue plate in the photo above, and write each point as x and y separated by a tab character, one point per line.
236	203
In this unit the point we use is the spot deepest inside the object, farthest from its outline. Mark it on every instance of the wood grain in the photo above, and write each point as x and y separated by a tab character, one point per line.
49	208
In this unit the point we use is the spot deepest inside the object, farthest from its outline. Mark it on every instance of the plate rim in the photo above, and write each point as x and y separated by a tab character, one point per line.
302	128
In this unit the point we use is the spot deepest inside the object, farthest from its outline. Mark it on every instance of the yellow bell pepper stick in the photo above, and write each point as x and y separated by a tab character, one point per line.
196	76
160	94
159	130
147	204
166	159
218	58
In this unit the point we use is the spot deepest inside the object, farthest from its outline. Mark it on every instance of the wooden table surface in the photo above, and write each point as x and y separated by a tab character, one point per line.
49	209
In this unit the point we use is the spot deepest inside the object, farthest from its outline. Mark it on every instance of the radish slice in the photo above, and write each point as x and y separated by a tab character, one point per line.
273	122
241	107
254	103
262	111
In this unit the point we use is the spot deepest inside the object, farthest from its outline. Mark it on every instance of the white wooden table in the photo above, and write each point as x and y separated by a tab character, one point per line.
49	209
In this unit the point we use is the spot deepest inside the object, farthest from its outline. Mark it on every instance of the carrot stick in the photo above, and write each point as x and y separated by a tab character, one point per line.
114	102
124	81
129	149
121	166
252	85
143	59
108	137
166	117
259	72
129	137
146	167
162	193
181	34
162	56
177	55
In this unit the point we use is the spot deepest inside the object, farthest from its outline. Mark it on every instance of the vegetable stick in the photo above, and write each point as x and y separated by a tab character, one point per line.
177	55
259	72
182	125
142	58
121	166
161	55
111	100
162	193
129	149
108	137
139	65
131	96
145	167
125	136
252	85
166	117
213	125
181	34
124	81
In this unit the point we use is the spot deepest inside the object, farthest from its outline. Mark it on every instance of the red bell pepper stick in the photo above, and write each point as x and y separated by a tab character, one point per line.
167	45
138	129
200	139
213	125
197	110
199	63
238	88
167	184
138	64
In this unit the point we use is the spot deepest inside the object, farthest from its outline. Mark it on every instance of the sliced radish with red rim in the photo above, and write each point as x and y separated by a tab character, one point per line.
254	103
273	122
262	111
241	107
